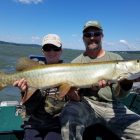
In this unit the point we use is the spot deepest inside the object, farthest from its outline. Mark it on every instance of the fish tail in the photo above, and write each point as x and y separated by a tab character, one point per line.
3	80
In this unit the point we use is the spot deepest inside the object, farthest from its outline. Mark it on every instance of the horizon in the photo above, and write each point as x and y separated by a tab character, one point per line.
37	45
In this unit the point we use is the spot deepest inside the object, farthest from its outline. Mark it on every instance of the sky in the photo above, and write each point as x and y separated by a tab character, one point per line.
27	21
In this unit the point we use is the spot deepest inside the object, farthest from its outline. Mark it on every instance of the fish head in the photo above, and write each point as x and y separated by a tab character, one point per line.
129	69
134	70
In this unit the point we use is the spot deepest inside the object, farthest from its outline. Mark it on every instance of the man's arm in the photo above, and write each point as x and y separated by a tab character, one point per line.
122	88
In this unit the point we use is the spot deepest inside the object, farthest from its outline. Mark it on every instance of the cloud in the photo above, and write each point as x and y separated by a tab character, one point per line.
122	45
35	39
29	1
123	42
128	45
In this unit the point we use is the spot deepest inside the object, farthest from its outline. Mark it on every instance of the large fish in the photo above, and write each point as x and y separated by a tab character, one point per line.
74	75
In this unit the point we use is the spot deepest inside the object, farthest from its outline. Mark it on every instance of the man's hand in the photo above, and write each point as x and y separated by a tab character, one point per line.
25	90
101	84
21	84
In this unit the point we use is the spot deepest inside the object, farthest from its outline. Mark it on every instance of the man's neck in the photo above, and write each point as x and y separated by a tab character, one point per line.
95	53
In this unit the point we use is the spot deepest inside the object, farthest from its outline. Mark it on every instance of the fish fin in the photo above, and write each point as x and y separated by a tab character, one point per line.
2	84
24	63
64	88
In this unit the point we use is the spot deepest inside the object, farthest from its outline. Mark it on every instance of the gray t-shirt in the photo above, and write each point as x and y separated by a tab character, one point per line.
107	93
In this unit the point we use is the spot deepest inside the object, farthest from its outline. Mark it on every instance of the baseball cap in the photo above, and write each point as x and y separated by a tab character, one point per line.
52	39
92	23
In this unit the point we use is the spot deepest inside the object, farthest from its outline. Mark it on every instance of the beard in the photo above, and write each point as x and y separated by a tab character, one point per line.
95	46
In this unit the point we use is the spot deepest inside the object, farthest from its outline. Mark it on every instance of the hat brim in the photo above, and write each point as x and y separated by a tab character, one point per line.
53	43
92	26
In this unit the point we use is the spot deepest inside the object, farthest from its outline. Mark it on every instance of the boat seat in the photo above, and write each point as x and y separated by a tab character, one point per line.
37	58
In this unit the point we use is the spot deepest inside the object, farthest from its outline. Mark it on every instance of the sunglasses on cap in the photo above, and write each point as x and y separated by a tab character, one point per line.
91	34
51	48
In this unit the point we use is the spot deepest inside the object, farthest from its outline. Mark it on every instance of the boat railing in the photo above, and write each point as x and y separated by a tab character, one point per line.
9	103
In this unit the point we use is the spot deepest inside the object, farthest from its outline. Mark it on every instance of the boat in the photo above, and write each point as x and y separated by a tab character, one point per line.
11	121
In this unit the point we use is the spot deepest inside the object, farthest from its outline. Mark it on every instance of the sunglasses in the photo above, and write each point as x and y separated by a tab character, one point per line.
91	34
52	48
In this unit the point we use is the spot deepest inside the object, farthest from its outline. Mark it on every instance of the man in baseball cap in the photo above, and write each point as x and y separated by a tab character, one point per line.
40	104
99	103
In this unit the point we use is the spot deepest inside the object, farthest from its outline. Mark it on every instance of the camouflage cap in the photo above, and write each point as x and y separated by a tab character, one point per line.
91	23
52	39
